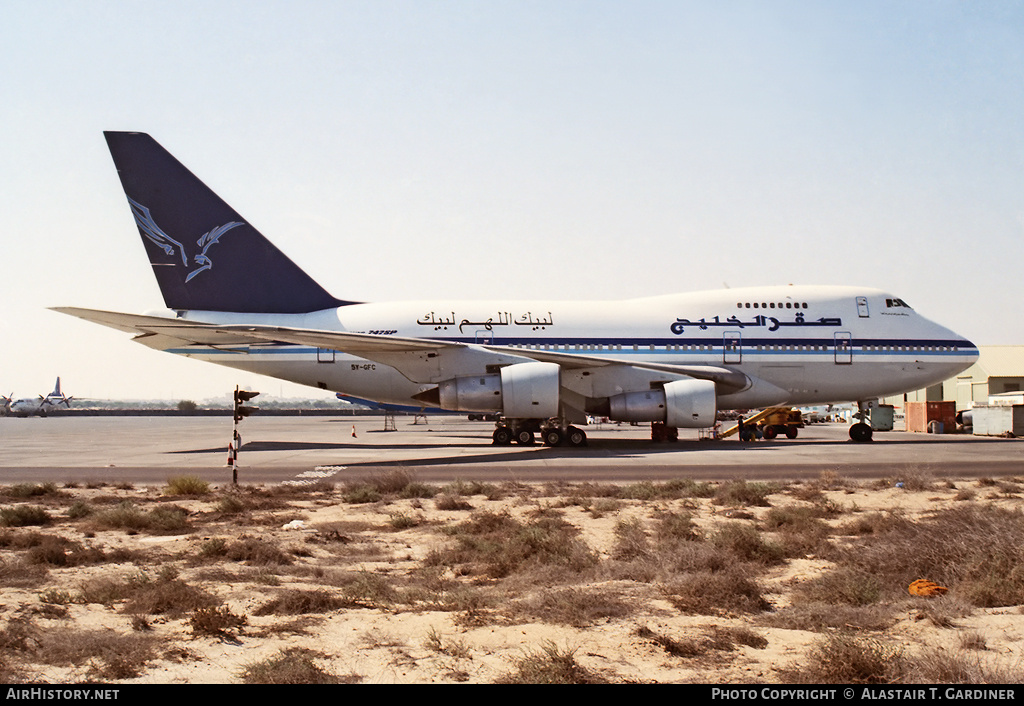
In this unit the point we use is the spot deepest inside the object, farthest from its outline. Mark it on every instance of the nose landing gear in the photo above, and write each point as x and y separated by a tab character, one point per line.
861	431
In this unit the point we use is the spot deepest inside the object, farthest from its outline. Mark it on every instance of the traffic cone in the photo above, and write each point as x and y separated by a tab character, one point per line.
231	455
353	431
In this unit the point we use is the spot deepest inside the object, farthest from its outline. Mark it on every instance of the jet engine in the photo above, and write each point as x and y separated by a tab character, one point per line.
520	391
681	403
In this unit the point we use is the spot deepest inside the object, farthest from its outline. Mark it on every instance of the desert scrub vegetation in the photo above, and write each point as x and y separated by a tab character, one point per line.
574	606
846	659
801	529
387	486
128	516
977	550
843	658
560	556
498	545
717	640
551	664
143	594
251	551
216	621
717	574
827	615
22	491
101	654
24	516
731	590
744	493
57	551
187	485
745	542
669	490
294	665
295	601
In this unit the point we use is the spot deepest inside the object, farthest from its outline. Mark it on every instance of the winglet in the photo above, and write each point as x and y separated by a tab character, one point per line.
204	254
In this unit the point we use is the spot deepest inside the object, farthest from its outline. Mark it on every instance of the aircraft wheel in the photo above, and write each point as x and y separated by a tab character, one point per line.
791	432
553	437
576	437
502	436
525	437
860	432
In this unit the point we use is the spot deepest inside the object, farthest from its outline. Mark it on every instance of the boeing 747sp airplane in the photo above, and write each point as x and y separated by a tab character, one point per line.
233	298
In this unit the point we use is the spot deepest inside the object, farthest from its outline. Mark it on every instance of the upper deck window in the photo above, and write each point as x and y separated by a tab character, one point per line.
779	305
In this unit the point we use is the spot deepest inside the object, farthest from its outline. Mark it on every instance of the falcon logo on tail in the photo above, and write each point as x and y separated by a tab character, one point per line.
170	246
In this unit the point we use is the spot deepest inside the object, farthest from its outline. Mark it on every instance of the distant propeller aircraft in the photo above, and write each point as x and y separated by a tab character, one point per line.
32	406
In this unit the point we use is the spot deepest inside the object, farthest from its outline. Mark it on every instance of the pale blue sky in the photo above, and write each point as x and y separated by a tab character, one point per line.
402	150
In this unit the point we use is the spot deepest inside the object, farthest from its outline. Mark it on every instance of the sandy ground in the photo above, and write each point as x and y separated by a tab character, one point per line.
432	622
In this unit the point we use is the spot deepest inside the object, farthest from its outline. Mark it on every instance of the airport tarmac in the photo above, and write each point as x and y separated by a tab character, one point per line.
148	450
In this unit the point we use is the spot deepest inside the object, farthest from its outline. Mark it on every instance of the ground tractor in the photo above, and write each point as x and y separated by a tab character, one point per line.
781	420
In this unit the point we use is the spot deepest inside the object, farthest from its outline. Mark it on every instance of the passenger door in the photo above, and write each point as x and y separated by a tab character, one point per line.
843	348
732	347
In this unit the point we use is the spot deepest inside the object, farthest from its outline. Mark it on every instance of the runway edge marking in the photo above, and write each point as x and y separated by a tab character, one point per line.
318	474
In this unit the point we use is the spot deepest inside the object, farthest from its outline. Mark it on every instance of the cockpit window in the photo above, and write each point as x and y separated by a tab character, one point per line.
890	303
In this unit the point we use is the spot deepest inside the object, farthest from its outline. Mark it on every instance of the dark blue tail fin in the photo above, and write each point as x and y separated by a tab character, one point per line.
205	256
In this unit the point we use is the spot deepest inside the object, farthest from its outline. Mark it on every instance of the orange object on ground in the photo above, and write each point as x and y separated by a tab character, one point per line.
924	587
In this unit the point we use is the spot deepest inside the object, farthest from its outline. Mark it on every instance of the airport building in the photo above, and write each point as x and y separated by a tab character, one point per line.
999	369
993	379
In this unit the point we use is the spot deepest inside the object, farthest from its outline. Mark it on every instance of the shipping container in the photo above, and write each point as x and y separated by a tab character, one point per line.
998	420
921	414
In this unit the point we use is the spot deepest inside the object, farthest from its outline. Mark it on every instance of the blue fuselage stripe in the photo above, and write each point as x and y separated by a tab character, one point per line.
788	346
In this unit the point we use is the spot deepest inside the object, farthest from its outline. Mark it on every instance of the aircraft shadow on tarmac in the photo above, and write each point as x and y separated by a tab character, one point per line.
301	446
599	448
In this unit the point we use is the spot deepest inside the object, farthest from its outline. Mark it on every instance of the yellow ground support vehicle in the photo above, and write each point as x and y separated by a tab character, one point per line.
782	420
767	424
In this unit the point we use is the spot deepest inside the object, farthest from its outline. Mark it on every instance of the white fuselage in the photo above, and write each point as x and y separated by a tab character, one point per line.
28	407
796	344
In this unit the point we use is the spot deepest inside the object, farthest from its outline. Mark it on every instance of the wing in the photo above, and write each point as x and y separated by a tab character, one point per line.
425	360
433	360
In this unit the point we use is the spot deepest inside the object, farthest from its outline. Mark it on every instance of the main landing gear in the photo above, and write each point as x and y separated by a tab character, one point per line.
525	432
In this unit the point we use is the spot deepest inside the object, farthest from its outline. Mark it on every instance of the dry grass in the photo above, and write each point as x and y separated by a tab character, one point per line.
847	659
550	665
976	549
293	666
512	583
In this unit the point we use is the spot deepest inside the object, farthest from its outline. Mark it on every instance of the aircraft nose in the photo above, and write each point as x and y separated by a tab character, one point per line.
972	350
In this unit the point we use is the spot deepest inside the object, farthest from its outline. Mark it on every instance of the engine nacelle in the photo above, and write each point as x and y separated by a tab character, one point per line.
479	393
520	391
689	404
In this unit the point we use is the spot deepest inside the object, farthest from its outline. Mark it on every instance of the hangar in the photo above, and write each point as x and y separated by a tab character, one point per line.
999	370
